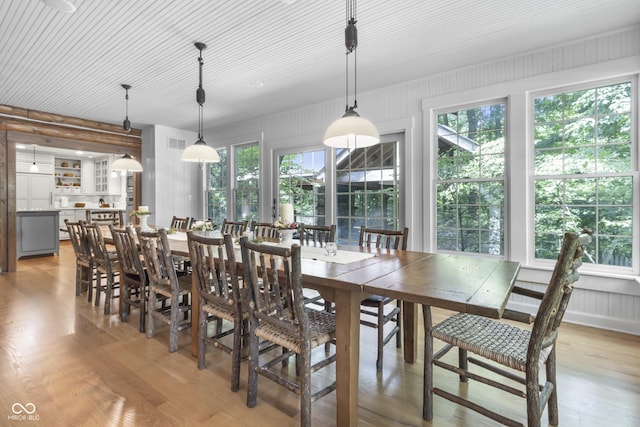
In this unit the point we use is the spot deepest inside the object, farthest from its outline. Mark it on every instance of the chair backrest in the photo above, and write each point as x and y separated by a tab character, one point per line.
181	224
387	239
317	235
264	230
158	260
124	240
79	240
98	247
213	263
556	298
105	217
274	278
235	228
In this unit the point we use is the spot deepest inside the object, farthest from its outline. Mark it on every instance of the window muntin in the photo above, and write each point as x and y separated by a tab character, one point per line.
217	188
583	171
470	183
301	181
246	192
367	190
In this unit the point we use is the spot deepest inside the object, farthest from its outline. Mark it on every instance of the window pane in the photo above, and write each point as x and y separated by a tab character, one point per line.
596	140
217	194
368	190
247	173
470	186
301	181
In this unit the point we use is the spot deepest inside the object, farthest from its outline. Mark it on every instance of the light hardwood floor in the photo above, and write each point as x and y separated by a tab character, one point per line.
79	367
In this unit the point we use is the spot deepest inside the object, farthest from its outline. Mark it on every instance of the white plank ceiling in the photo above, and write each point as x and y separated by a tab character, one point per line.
73	64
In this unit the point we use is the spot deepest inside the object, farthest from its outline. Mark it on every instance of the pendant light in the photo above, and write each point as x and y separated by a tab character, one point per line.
126	163
200	152
34	167
351	130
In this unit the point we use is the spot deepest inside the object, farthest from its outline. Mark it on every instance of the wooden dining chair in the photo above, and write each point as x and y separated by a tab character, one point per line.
277	313
387	239
235	228
317	235
523	351
85	269
164	282
133	278
106	264
221	297
181	224
263	230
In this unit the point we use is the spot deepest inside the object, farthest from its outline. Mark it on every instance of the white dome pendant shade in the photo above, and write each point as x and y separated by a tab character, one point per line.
126	163
351	131
200	152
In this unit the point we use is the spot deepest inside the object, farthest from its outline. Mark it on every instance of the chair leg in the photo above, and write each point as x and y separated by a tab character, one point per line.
305	386
380	336
143	308
399	324
125	294
90	277
108	293
236	356
254	353
551	377
79	269
175	320
463	363
98	287
151	308
202	334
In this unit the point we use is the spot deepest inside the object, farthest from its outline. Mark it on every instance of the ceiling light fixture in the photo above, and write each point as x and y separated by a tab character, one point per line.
200	152
126	163
64	6
351	130
34	167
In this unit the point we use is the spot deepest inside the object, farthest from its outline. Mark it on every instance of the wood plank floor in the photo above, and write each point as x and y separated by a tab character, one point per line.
79	367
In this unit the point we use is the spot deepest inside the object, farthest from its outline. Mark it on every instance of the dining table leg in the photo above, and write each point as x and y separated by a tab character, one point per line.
410	331
427	387
347	309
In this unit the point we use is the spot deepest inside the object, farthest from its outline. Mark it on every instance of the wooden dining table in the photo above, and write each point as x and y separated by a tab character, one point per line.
456	282
461	283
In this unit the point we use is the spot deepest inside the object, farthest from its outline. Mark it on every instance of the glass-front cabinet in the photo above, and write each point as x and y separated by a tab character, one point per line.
102	175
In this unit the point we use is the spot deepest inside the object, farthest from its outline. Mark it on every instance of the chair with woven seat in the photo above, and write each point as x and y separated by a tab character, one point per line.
263	230
317	235
105	262
220	296
235	228
525	352
278	314
387	239
85	269
181	224
164	282
133	278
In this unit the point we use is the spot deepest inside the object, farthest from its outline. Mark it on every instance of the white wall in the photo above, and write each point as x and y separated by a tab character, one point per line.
608	302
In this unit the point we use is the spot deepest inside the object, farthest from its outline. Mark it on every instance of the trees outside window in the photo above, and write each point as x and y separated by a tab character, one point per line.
302	182
247	172
217	188
470	183
583	171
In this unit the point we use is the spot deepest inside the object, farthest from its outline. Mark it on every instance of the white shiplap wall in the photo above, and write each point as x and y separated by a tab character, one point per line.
612	303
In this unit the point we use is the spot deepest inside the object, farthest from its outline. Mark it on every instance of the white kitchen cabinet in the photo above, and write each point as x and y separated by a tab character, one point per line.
24	160
33	191
105	183
68	175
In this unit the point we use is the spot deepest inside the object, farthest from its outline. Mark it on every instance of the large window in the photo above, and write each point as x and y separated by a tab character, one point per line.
301	181
247	168
367	189
217	190
584	171
470	182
